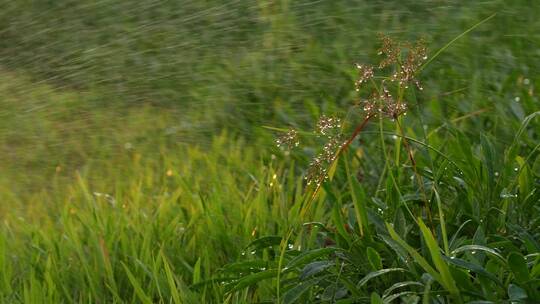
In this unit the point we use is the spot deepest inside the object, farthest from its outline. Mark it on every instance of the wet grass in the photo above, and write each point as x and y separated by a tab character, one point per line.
135	164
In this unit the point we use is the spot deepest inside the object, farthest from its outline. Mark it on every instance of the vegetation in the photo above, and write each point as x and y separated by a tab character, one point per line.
139	161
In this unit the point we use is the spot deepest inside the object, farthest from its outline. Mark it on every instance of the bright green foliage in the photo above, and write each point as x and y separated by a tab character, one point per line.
135	166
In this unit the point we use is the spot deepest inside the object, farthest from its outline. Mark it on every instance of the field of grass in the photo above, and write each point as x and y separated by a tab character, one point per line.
138	161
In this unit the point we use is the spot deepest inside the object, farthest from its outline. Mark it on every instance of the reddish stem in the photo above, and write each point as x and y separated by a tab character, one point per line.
356	132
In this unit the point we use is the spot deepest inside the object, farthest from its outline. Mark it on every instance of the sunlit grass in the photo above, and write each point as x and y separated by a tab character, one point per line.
134	165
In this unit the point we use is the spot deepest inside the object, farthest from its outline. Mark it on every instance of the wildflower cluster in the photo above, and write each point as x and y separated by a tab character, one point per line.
408	68
330	129
390	48
365	73
288	140
406	60
328	126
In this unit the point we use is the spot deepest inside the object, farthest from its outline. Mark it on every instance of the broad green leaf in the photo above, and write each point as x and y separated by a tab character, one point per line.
416	256
376	299
315	268
398	285
374	258
266	241
309	256
518	265
462	279
296	292
398	295
473	267
516	293
535	271
491	251
213	281
375	274
245	266
254	278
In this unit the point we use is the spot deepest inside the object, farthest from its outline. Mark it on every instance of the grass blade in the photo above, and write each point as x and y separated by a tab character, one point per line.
446	277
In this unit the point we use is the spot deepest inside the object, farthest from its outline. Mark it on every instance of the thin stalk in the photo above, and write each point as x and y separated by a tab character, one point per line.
284	246
383	145
419	178
454	40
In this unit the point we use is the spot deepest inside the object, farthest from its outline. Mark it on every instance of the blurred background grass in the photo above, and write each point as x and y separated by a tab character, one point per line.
151	99
83	80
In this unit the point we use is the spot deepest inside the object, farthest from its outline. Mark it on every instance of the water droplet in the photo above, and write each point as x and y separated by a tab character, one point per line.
508	195
274	176
496	173
473	252
517	99
253	252
394	137
290	246
516	169
526	81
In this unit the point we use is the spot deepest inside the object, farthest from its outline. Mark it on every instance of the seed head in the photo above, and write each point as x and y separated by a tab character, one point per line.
331	148
288	140
391	107
390	49
365	73
416	55
316	173
370	105
328	126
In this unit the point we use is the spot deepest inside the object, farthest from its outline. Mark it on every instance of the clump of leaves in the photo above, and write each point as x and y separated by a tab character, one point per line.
381	92
401	252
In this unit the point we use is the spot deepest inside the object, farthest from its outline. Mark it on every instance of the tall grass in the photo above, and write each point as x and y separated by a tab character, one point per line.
134	165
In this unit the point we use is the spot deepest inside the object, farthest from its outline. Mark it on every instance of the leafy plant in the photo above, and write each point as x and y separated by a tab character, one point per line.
432	232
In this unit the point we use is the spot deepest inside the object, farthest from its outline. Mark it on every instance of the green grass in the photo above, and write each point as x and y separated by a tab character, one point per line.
135	166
